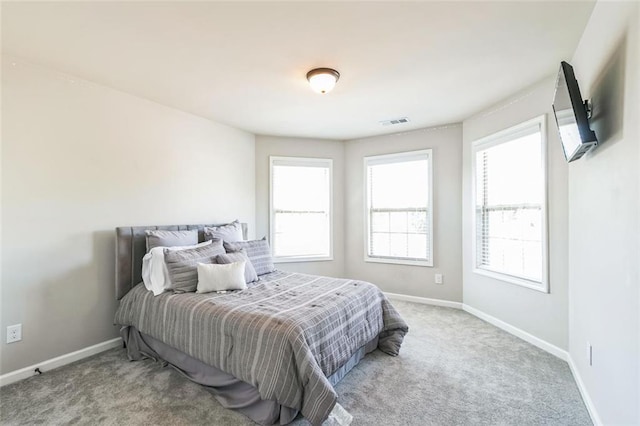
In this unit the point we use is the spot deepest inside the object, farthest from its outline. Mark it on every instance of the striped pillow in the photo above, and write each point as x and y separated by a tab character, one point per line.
258	252
250	274
182	265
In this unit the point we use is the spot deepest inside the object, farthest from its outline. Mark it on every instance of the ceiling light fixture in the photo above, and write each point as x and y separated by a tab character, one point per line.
322	80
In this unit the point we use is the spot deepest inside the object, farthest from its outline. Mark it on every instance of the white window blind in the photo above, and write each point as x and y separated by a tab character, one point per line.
510	204
301	208
399	208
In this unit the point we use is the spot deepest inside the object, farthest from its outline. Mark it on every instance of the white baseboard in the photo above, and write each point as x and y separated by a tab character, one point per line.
591	408
60	361
50	364
530	338
545	346
424	300
527	337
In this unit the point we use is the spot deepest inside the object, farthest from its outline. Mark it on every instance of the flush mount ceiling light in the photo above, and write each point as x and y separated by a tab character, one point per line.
322	80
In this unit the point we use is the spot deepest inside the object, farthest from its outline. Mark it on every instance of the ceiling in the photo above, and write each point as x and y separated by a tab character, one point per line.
244	64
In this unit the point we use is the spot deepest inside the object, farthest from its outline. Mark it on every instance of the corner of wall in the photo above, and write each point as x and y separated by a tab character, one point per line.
604	211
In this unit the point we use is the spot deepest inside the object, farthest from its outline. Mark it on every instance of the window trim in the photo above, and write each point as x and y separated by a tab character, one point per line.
490	141
389	158
300	161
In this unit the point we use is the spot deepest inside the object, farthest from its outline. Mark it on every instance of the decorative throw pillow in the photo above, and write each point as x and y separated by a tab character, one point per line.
238	256
163	238
182	264
258	252
230	232
214	277
154	270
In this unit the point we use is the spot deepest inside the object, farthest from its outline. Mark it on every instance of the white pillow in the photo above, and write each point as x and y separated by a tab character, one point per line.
154	270
214	277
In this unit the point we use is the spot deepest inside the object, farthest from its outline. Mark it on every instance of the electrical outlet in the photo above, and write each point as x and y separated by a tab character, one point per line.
590	353
14	333
438	278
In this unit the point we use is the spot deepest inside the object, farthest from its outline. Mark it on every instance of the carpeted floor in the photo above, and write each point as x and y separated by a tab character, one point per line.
453	369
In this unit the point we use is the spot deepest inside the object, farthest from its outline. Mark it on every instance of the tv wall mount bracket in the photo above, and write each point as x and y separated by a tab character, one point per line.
588	107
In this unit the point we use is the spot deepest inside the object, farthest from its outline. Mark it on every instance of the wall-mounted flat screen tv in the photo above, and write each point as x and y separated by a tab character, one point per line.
572	115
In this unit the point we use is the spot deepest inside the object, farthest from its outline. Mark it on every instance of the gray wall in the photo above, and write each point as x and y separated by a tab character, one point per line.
604	217
445	142
299	147
541	314
79	159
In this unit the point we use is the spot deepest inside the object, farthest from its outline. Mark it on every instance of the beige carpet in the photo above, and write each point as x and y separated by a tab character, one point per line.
453	369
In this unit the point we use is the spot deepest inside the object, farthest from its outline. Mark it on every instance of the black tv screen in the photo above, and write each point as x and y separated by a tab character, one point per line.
571	115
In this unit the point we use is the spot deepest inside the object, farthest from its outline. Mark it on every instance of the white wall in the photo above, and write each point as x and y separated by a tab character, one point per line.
604	217
300	147
418	281
79	159
541	314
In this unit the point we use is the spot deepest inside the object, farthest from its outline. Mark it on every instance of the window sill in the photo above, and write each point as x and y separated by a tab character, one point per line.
302	259
541	287
394	261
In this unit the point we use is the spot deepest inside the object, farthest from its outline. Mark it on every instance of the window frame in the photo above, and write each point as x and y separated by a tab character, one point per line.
367	217
495	139
300	161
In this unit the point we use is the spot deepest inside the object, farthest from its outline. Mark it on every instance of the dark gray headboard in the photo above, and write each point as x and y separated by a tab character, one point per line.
131	246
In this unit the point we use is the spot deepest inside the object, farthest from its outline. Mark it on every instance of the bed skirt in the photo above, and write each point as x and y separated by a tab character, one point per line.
229	391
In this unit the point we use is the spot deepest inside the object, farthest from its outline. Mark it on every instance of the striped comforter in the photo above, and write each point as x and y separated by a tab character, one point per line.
284	335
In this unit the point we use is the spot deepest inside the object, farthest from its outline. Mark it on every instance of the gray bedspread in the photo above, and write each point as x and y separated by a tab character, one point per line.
284	335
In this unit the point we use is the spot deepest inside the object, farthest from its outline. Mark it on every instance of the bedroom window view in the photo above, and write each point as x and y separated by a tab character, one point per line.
301	208
399	205
510	205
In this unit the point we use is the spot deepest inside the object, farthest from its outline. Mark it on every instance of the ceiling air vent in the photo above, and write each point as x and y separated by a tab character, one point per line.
395	121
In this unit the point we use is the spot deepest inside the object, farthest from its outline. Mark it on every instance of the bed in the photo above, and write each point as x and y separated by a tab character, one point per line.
270	351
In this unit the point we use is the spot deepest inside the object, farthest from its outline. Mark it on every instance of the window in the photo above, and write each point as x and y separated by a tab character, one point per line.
510	207
301	216
399	208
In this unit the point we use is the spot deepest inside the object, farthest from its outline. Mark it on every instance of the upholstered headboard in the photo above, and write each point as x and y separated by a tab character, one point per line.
131	246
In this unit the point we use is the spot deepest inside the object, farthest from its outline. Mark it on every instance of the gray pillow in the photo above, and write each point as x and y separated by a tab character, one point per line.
258	252
250	274
230	232
182	265
162	238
